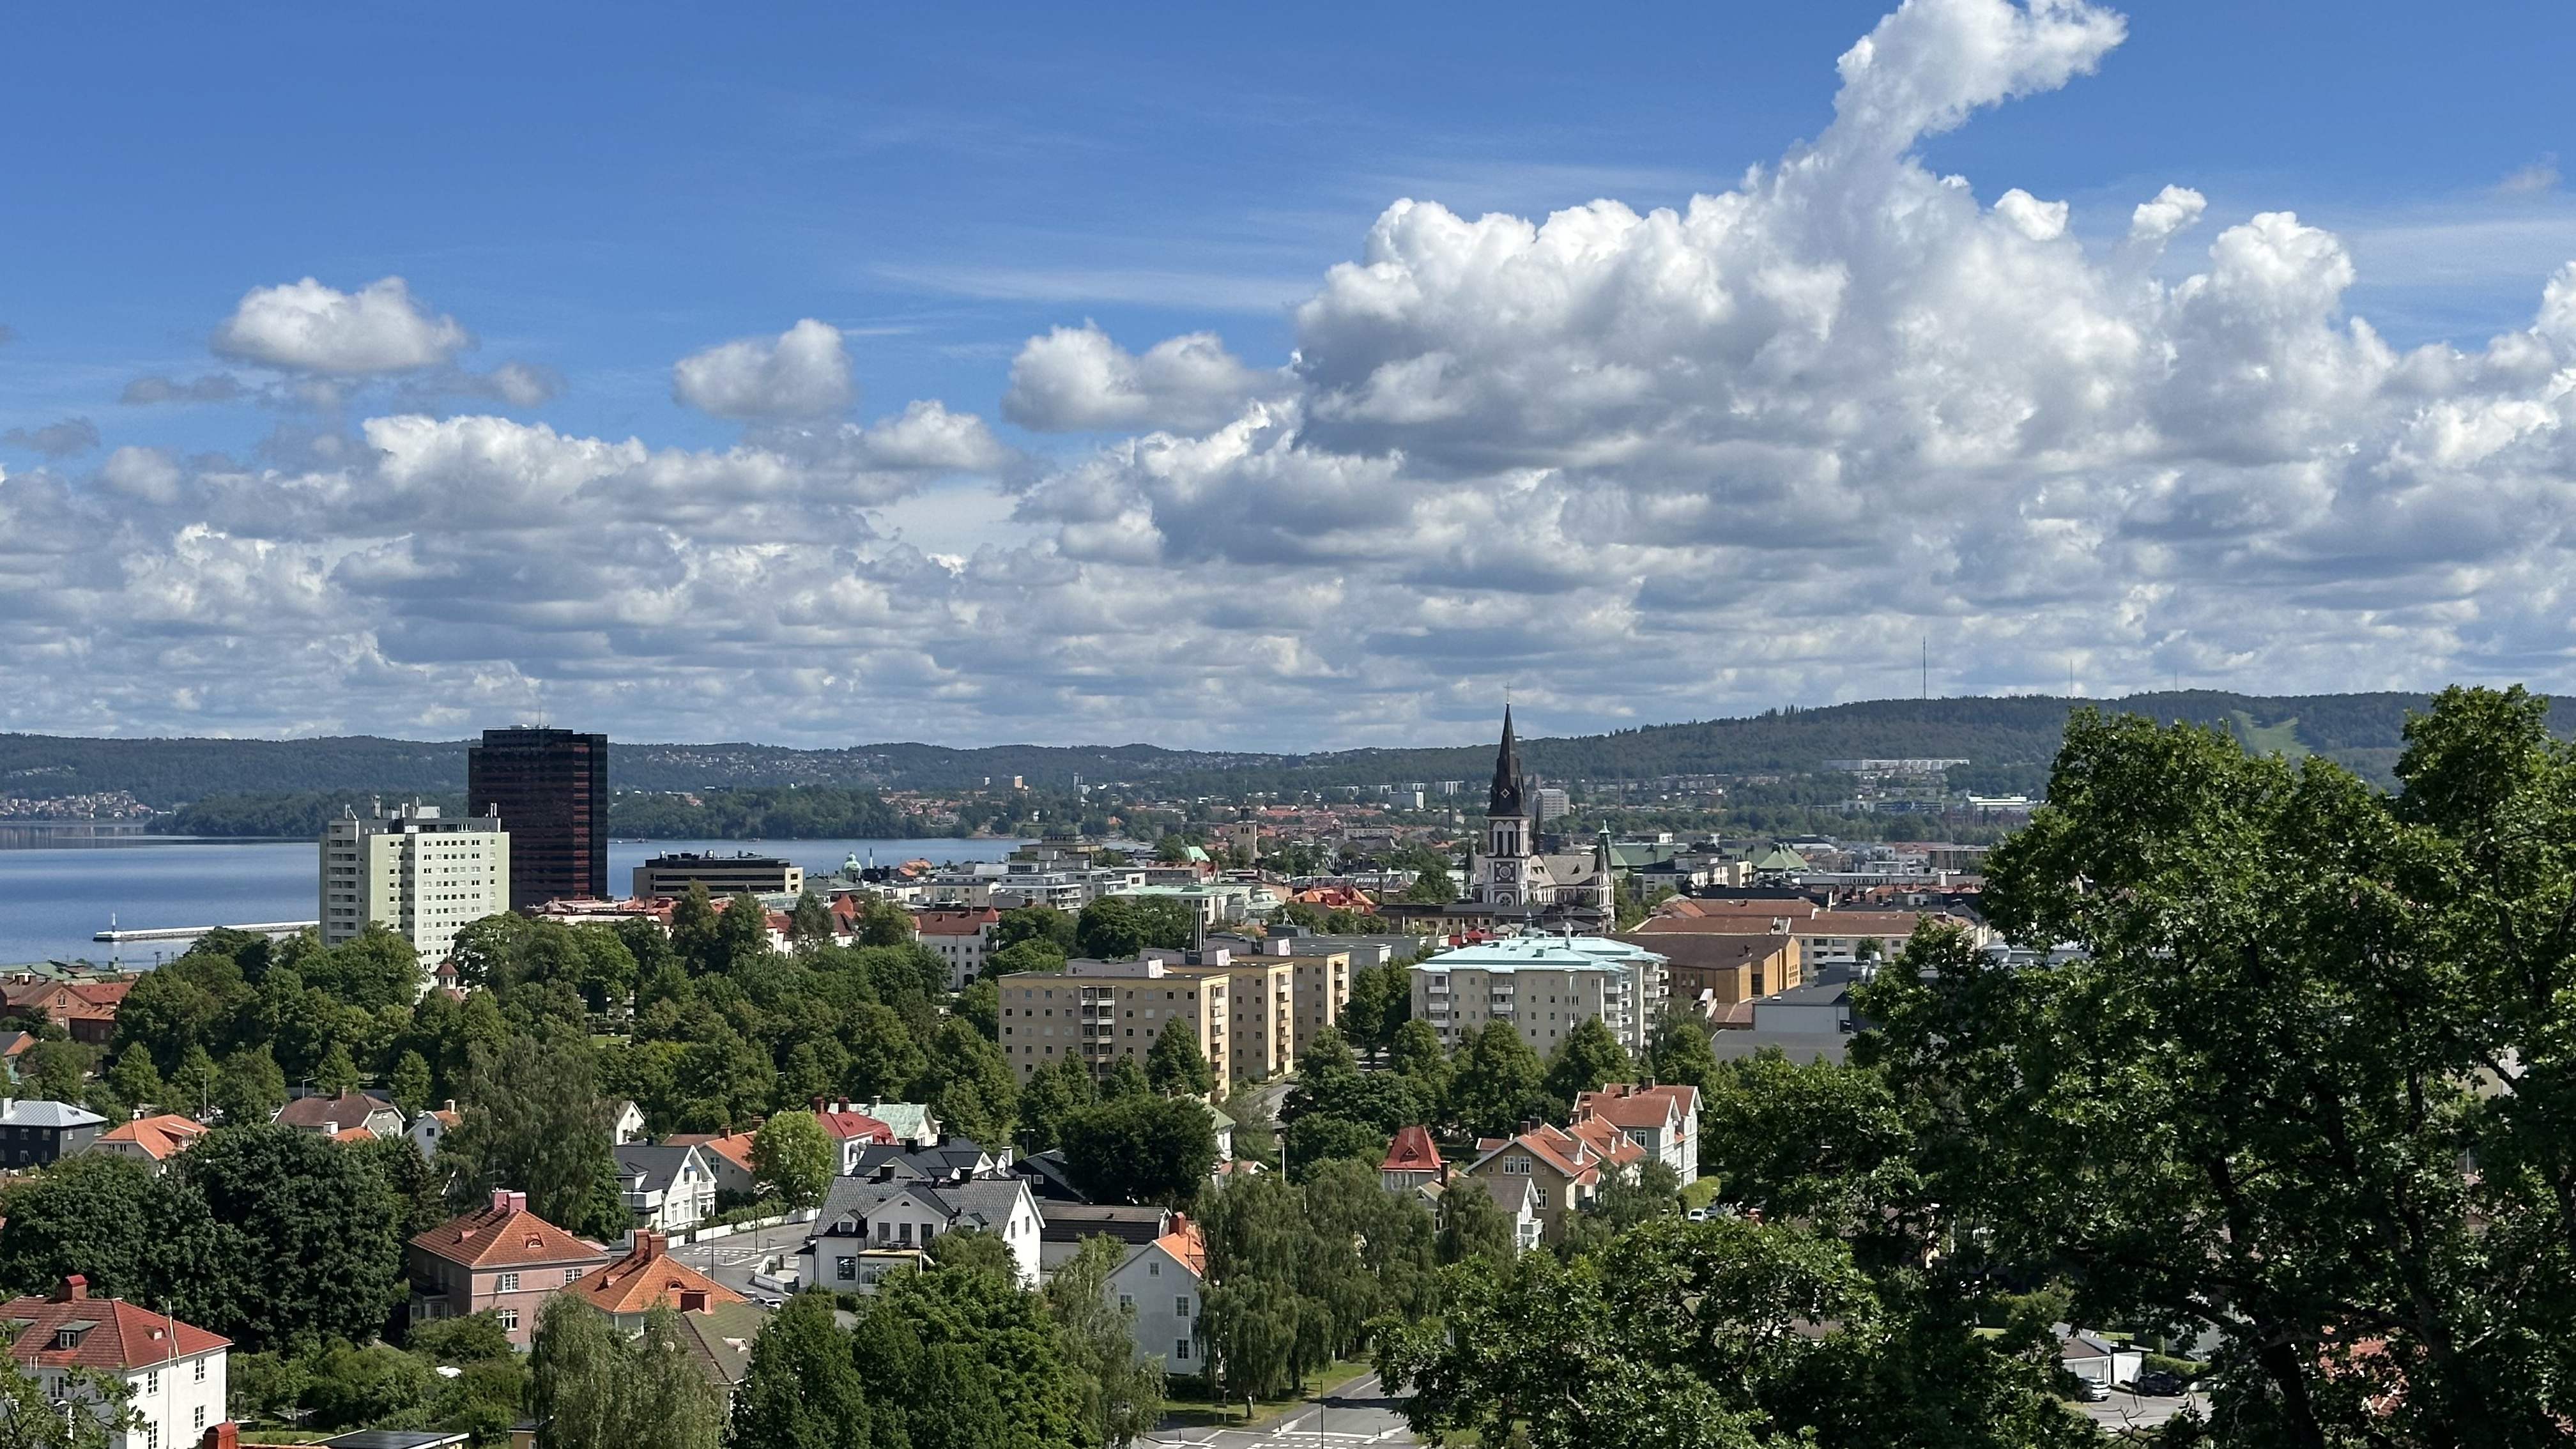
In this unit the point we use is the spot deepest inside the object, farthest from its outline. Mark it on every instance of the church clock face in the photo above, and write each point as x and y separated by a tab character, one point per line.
1502	870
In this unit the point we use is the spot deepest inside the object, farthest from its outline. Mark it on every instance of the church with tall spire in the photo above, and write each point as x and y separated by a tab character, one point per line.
1572	887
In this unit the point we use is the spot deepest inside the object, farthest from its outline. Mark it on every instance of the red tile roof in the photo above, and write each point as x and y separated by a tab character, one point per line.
1626	1104
159	1137
504	1235
955	923
106	1333
1184	1242
733	1147
649	1275
349	1109
842	1124
1411	1151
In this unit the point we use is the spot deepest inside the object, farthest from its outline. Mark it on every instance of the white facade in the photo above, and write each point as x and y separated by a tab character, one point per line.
1165	1295
1544	986
417	873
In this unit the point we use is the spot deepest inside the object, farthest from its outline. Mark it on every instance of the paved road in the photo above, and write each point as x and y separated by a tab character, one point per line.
2125	1410
731	1261
1357	1413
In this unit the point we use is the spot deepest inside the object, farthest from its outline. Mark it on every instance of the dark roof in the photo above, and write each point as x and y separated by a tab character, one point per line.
656	1166
1072	1222
1045	1174
1505	798
395	1439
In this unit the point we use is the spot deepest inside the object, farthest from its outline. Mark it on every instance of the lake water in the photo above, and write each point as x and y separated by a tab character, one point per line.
54	895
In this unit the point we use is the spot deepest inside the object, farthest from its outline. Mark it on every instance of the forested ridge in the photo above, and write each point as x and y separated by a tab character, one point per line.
2008	740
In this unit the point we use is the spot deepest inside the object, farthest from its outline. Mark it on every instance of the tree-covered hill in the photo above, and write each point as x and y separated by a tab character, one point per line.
2008	741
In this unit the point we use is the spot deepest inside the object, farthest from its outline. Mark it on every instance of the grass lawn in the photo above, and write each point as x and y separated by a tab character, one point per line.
1190	1409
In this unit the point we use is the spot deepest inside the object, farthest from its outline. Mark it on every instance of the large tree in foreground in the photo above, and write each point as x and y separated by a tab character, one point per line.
2312	1078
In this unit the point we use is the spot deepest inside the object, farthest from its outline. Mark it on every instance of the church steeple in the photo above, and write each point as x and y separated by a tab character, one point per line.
1506	796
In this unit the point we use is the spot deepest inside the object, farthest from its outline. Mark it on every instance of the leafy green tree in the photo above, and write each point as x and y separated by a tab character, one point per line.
96	1214
1678	1053
1818	1141
969	1084
1651	1189
1472	1224
302	1245
1320	1137
1033	954
1115	928
1588	1057
1126	1079
134	1081
249	1086
810	922
2303	1080
1418	1057
793	1154
980	1006
1702	1335
957	1359
1053	1093
1175	1066
1121	1398
1497	1082
1034	923
375	968
883	1056
463	1339
802	1390
885	924
31	1416
191	1086
410	1085
1296	1272
593	1389
354	1386
533	1121
418	1191
974	1250
53	1071
1140	1149
337	1074
1381	1001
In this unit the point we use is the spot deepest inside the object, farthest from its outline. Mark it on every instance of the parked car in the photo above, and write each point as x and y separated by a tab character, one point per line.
1700	1215
2091	1392
2160	1383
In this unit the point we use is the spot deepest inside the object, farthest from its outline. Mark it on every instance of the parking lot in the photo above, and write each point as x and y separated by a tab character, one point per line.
731	1261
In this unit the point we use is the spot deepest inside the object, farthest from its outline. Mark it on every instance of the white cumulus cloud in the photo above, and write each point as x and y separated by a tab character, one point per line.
802	373
1076	379
307	326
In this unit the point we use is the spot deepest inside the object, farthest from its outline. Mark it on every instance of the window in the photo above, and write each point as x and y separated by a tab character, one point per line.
152	1381
1154	1270
903	1235
571	1274
1126	1300
201	1371
1181	1306
1542	1199
509	1318
846	1269
200	1420
1180	1350
506	1283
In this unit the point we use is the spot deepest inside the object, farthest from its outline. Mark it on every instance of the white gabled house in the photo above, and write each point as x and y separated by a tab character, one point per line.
1163	1285
173	1371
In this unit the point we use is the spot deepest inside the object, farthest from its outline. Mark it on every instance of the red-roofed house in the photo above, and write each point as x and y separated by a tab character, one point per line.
1662	1120
174	1370
648	1276
347	1112
152	1140
1412	1161
962	938
502	1257
1565	1169
85	1010
850	1132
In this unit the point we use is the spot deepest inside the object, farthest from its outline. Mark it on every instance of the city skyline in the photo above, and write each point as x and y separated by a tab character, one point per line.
938	382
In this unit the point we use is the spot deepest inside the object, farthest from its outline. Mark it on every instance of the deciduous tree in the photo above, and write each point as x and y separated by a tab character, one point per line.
793	1155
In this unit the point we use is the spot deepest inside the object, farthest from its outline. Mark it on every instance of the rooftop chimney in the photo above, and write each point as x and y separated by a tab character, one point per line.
75	1288
506	1201
651	1245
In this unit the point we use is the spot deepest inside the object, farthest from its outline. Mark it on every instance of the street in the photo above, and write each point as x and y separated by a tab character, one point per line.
1359	1412
731	1261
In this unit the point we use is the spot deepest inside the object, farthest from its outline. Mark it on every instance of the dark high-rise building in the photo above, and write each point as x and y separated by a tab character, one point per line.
550	788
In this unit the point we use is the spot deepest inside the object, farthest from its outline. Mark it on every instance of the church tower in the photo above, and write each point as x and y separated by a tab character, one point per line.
1504	879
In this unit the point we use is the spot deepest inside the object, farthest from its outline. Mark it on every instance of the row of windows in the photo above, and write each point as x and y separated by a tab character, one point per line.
509	1282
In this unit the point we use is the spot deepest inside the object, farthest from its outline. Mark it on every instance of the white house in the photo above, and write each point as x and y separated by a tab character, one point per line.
2097	1360
1662	1120
864	1215
626	1123
1518	1199
669	1189
173	1370
430	1128
1163	1284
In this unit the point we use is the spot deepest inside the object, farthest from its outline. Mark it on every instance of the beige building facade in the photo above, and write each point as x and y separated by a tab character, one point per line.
418	873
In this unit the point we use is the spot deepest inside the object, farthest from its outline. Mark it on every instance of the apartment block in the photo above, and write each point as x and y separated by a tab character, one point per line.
1543	985
422	875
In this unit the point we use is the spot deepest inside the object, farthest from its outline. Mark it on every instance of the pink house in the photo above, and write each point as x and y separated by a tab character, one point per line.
501	1257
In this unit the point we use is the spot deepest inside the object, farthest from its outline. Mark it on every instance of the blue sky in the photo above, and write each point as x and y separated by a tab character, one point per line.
598	193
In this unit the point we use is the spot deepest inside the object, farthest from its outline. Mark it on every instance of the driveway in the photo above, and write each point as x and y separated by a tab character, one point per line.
1359	1412
2125	1410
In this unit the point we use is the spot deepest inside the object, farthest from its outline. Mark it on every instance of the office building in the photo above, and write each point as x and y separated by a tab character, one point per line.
420	874
725	875
1252	1013
550	789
